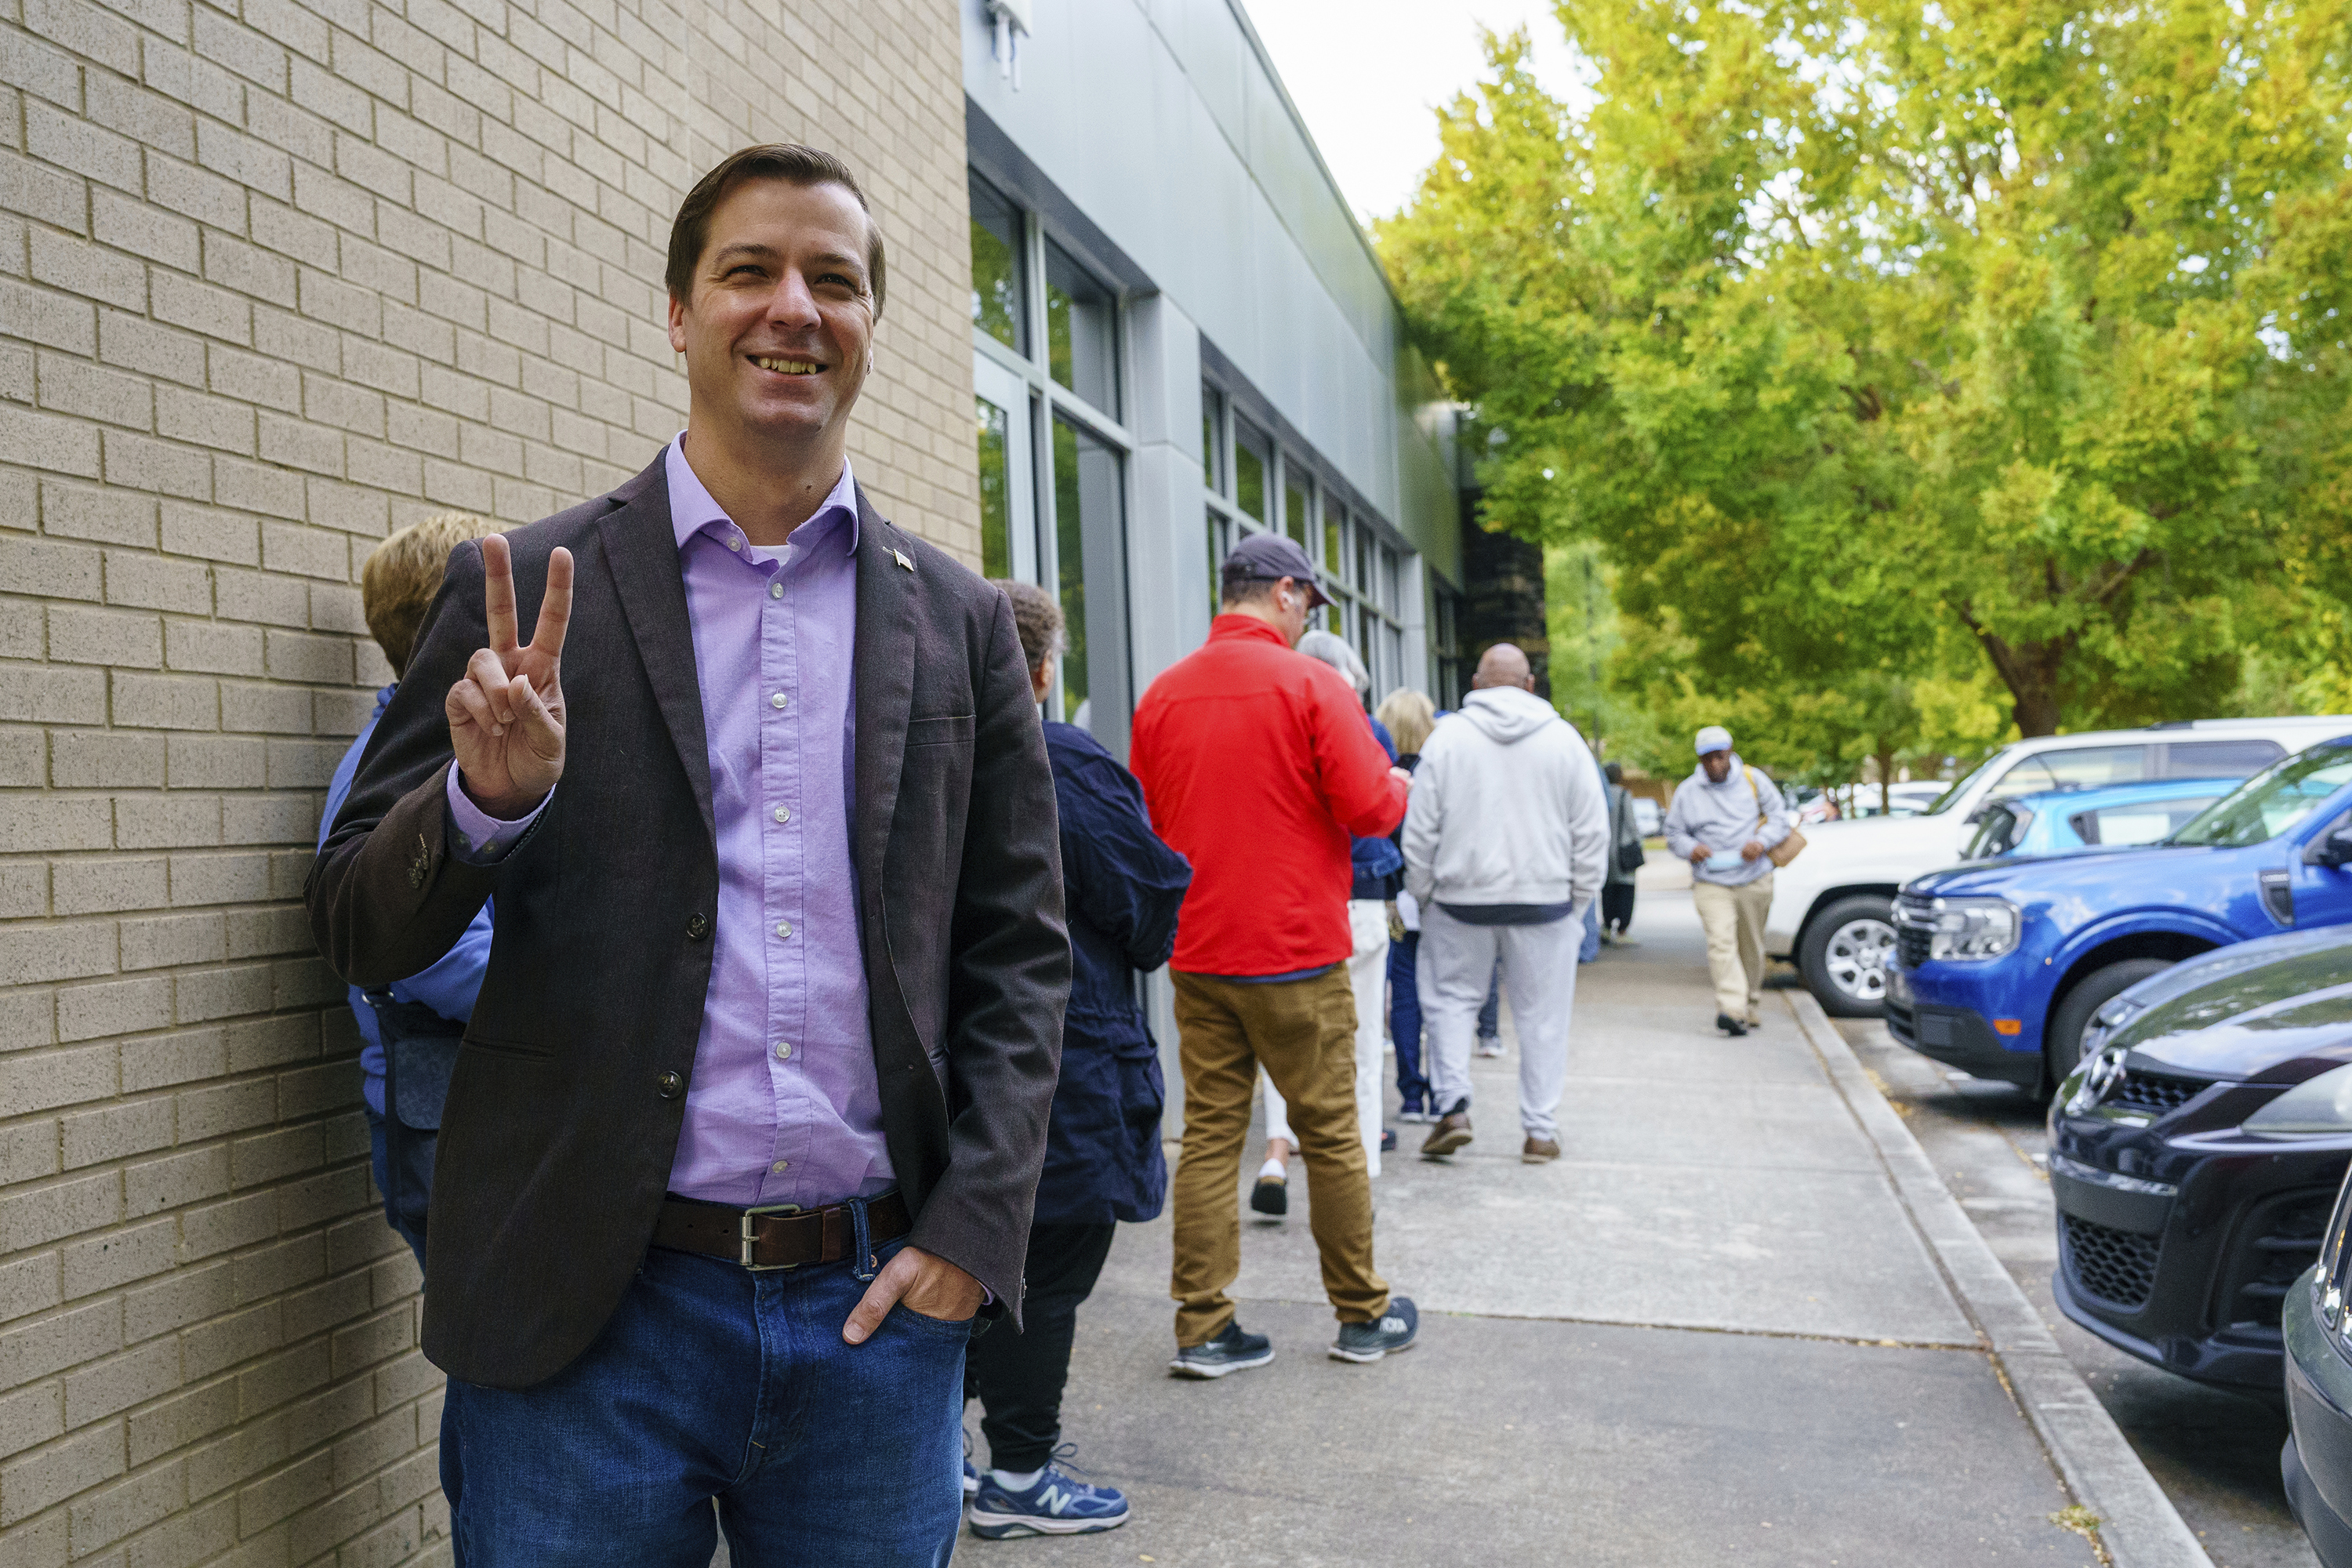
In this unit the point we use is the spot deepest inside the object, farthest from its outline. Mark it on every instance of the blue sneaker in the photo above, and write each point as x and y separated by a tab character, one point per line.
971	1478
1055	1505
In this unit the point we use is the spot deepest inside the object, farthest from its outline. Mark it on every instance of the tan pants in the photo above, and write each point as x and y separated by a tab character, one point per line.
1734	918
1303	1033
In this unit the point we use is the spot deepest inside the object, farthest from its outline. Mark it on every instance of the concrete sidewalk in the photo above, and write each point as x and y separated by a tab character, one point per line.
1712	1332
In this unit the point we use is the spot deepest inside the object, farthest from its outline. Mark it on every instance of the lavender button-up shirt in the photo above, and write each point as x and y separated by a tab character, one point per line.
784	1107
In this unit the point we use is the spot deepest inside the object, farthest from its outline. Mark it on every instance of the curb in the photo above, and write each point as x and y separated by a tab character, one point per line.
2139	1526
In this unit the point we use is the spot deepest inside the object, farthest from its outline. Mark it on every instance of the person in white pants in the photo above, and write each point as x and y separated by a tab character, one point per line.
1376	866
1505	843
1368	976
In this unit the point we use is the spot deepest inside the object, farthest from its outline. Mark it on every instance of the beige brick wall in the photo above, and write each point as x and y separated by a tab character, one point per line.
273	280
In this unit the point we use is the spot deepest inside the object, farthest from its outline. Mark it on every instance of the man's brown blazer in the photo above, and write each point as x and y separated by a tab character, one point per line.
563	1116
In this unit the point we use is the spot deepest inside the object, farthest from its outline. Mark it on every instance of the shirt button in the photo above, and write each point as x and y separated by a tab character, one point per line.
784	928
781	1166
668	1085
783	1050
734	543
698	927
775	590
778	700
783	814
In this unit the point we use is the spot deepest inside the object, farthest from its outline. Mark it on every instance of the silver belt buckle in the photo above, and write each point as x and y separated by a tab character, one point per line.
750	1237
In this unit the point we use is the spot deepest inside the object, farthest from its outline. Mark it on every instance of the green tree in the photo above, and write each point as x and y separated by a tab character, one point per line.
1880	344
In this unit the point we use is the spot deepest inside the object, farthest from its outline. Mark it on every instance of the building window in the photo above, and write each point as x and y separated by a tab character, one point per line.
1250	450
1052	455
995	491
998	305
1213	441
1297	520
1081	331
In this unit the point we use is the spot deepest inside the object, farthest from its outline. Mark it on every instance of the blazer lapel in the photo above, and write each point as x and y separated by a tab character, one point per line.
646	573
884	669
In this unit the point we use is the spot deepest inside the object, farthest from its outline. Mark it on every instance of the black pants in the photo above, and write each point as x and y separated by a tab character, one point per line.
1018	1378
1617	906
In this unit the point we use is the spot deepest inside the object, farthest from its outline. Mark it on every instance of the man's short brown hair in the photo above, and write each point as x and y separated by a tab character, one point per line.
404	572
795	165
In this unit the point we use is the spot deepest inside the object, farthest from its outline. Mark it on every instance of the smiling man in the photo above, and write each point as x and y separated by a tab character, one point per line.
743	1136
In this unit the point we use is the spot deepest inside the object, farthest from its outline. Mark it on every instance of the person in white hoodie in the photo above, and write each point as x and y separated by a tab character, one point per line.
1725	820
1506	842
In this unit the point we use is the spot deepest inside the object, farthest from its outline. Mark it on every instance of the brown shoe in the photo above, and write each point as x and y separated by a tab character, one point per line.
1538	1150
1452	1132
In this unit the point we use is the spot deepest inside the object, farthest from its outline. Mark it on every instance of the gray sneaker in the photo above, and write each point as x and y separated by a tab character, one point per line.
1233	1350
1393	1329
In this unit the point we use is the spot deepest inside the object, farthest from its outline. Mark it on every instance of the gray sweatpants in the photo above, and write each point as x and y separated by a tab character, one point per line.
1457	959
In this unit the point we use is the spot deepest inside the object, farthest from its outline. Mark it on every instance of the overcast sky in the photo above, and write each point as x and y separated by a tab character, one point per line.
1369	75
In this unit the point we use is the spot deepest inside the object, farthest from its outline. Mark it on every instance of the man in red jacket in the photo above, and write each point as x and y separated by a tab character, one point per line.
1257	767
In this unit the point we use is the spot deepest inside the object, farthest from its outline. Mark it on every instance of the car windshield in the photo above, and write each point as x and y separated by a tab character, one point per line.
1944	801
2272	801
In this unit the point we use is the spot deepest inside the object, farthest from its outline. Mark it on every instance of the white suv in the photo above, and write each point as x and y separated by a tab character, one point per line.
1832	907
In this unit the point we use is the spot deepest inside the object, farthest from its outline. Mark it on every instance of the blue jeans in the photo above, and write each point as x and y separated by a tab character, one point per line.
713	1382
1404	1018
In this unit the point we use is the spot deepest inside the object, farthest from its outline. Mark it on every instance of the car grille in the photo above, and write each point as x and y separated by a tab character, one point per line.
2281	1240
1911	940
2154	1091
2116	1265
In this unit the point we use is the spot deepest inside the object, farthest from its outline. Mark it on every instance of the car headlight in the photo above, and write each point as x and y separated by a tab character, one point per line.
1971	930
2316	1108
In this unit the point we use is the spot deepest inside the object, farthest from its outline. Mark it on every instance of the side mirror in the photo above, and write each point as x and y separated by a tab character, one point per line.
1977	814
2333	849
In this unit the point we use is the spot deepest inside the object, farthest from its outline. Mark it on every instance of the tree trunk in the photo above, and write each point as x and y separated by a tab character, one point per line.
2030	672
1884	757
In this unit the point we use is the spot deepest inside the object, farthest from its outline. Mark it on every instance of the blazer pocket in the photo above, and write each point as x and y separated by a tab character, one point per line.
953	729
514	1050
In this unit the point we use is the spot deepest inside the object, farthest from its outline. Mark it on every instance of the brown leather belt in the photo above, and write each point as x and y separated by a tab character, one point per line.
777	1239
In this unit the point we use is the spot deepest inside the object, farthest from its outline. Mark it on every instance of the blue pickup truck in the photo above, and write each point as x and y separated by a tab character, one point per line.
1998	965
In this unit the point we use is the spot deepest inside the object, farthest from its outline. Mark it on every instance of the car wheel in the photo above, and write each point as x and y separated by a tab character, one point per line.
1843	955
2061	1038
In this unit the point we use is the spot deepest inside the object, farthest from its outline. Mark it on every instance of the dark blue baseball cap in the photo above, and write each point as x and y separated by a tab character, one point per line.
1269	558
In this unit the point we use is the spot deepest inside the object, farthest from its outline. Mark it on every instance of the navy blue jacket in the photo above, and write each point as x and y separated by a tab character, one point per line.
1123	888
1378	863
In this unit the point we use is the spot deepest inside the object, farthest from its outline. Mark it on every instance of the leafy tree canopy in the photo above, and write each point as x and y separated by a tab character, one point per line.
1890	348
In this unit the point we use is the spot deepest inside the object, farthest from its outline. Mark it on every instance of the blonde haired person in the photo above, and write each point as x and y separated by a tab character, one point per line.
1409	716
417	1018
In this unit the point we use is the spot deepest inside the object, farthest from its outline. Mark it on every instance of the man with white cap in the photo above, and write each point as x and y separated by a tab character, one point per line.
1725	820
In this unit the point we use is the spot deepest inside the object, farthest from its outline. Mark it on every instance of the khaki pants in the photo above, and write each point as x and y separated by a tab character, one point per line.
1734	918
1303	1033
1368	978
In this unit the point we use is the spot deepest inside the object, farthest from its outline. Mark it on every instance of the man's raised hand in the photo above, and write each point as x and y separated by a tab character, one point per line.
506	715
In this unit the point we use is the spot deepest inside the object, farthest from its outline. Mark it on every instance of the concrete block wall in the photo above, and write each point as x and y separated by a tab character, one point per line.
277	276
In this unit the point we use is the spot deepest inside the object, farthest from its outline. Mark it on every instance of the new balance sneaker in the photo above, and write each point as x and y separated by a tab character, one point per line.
971	1470
1392	1331
1452	1132
1055	1505
1231	1351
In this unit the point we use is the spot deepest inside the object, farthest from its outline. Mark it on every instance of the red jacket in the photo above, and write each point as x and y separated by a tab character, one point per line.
1258	767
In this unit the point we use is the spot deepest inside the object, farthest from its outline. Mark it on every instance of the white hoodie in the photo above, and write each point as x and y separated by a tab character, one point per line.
1507	807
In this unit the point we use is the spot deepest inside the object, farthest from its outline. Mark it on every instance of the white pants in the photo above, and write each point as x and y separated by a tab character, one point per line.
1368	972
1457	961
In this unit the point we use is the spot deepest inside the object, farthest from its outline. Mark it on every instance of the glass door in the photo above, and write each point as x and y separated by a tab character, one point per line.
1008	487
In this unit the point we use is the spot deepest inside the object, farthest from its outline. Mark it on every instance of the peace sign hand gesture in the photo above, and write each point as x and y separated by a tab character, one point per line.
506	716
